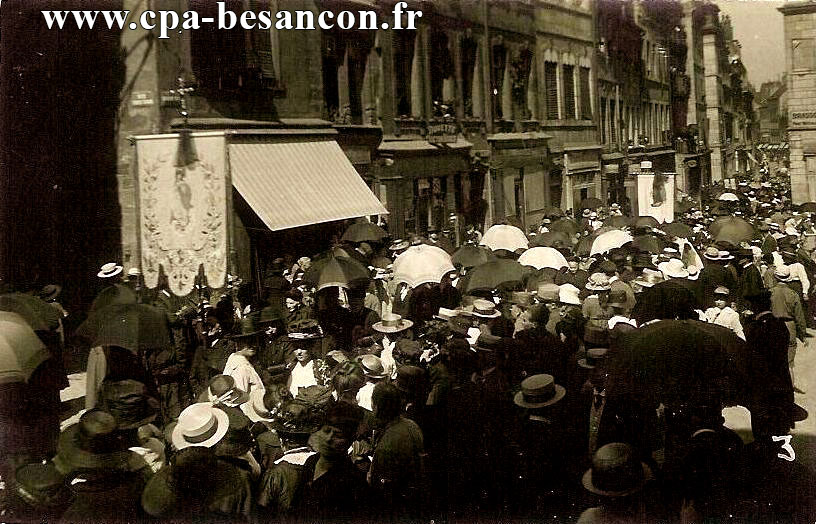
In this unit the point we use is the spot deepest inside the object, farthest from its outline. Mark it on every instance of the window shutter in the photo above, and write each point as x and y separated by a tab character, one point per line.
586	101
551	87
569	92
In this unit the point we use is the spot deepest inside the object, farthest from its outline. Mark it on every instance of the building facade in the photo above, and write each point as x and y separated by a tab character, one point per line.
800	61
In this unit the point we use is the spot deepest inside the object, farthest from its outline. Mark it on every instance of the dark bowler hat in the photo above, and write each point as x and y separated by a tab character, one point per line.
41	486
594	356
249	327
92	443
539	391
129	403
410	379
305	329
616	471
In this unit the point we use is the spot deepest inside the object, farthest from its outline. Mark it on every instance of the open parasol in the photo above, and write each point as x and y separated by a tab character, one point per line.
336	271
503	236
541	257
471	255
732	230
728	197
610	240
40	315
565	225
677	229
618	221
21	350
422	264
553	239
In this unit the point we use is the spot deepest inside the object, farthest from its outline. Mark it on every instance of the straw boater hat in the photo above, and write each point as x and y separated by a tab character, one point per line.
693	271
50	292
648	278
722	290
111	269
587	213
372	366
711	253
539	391
264	405
399	245
673	269
200	425
616	471
485	309
392	323
446	314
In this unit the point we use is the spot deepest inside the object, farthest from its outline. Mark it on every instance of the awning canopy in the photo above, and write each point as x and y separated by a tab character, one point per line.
292	184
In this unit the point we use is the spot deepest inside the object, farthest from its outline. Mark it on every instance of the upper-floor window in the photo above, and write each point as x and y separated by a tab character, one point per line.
404	42
226	60
551	89
468	57
569	92
442	75
497	67
803	54
520	77
345	55
586	97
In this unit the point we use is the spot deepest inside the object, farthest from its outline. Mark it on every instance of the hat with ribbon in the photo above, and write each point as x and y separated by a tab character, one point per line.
372	366
200	425
598	282
711	253
222	391
593	357
673	269
485	309
111	269
392	323
40	486
399	245
539	391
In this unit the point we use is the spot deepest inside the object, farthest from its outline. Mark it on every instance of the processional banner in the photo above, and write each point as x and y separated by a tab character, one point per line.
183	200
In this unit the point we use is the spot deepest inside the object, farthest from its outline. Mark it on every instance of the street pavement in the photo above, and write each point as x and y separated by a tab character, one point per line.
803	439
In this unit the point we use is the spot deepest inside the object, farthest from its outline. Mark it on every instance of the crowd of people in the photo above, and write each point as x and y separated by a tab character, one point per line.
380	399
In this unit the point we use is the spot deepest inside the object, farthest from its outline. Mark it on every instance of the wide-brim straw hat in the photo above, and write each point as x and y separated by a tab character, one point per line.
539	391
200	425
392	323
92	443
111	269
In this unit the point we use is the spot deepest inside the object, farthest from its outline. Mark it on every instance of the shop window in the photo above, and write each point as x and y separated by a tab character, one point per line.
404	42
586	98
584	193
441	64
569	92
468	56
497	66
551	89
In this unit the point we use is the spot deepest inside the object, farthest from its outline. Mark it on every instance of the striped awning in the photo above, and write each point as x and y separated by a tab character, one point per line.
292	184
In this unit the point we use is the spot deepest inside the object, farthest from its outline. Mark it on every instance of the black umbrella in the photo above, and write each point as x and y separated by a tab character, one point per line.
681	362
113	295
618	221
565	225
137	327
671	299
501	273
471	255
336	271
649	244
40	315
556	239
364	232
808	207
677	229
646	222
590	203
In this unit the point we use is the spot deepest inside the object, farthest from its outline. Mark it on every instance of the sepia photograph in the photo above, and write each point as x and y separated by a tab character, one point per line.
408	261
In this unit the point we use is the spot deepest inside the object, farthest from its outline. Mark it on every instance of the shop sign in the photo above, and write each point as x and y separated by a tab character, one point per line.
442	133
803	118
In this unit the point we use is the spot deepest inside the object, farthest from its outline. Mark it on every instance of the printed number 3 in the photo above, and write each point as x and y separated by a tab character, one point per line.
791	455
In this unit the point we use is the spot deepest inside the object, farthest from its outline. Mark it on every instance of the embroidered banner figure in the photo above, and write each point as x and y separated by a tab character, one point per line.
182	209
